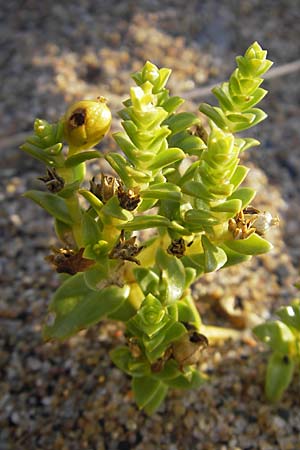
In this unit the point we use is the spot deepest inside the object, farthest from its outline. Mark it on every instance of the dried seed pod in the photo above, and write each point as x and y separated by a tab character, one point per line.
177	248
68	261
160	363
86	122
134	347
105	189
264	221
251	220
129	199
187	350
126	249
53	181
201	132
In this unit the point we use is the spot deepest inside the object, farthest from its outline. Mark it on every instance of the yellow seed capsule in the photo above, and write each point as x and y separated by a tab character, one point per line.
86	123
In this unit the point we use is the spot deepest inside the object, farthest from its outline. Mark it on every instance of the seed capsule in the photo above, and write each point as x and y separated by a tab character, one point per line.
86	123
187	350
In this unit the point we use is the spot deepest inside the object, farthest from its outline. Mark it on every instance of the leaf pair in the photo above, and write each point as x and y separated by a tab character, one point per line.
283	336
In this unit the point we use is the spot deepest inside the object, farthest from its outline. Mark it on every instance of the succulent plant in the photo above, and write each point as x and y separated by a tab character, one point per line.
200	216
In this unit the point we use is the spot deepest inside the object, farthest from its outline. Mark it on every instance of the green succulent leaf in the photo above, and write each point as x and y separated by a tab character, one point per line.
181	121
277	335
173	274
90	230
279	375
253	245
146	221
122	358
232	206
195	261
199	219
196	189
156	400
120	165
150	318
69	189
233	257
172	104
174	332
94	201
81	157
168	372
188	313
147	280
62	230
112	208
290	315
127	146
85	311
244	194
97	273
238	176
214	257
54	205
125	312
192	380
190	144
162	191
166	157
148	392
247	143
215	114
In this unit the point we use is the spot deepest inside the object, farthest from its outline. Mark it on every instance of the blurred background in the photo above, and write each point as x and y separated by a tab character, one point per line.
69	396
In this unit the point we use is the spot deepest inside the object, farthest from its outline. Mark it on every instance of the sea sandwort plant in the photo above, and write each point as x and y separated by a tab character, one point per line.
173	210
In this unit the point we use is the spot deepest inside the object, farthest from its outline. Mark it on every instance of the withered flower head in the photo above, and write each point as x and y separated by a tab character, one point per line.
251	220
52	180
69	261
177	248
126	249
106	189
128	198
187	350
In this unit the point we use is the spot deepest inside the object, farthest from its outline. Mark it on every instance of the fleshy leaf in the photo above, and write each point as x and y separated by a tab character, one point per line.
232	206
113	209
166	157
245	194
215	257
156	400
147	280
181	121
290	315
192	380
233	257
279	375
87	311
54	205
94	201
145	390
173	274
277	335
123	359
162	191
253	245
146	221
81	157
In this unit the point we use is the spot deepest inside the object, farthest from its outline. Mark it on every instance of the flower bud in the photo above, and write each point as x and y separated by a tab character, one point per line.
86	122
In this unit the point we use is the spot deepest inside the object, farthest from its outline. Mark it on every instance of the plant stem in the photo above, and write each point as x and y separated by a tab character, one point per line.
219	334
